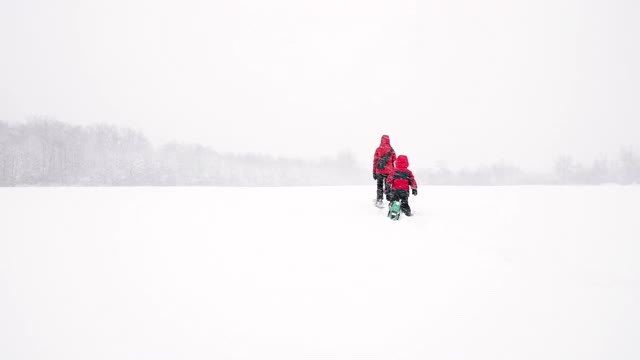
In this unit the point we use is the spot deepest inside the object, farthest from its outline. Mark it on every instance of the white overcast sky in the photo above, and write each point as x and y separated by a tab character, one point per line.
466	82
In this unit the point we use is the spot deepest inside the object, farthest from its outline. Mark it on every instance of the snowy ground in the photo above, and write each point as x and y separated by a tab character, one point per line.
293	273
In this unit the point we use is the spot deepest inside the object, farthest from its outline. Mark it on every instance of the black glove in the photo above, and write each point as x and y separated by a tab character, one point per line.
375	176
414	192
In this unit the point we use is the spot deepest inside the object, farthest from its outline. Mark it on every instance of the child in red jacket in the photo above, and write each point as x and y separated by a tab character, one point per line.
383	162
401	180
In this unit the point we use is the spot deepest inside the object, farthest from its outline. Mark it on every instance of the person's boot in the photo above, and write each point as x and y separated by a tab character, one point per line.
406	209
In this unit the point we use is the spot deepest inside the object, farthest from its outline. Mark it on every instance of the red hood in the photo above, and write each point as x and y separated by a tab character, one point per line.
384	141
402	162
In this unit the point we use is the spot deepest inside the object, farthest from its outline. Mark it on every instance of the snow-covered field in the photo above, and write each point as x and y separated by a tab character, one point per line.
294	273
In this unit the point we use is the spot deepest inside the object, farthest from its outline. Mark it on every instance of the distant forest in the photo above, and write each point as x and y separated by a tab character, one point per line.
46	152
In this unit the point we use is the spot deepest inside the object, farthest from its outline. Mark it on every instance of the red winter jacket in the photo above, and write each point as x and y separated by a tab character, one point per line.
381	151
401	178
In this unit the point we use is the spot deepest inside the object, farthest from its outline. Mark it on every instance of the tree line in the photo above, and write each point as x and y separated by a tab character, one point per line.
623	169
45	152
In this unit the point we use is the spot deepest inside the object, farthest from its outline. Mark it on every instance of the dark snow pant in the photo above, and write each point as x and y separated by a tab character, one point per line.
403	197
381	181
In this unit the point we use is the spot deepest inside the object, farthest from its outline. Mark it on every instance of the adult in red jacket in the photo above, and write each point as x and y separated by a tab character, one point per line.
401	180
383	163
